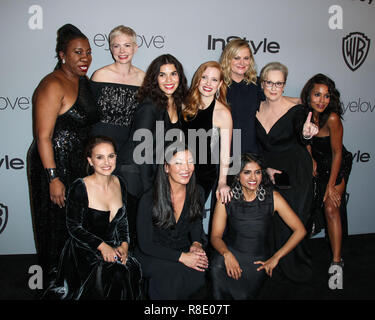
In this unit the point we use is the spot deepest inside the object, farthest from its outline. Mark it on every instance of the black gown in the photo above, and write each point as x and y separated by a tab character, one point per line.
283	149
140	157
117	104
70	135
247	236
322	153
83	273
244	100
206	160
159	249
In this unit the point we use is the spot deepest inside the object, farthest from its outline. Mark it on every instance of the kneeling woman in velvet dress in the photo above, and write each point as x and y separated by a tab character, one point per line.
94	263
170	232
243	254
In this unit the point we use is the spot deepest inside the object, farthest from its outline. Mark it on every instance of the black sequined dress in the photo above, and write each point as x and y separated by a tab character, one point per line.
83	273
116	104
70	135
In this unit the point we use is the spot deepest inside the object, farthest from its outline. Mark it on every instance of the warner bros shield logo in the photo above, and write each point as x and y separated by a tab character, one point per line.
355	47
3	217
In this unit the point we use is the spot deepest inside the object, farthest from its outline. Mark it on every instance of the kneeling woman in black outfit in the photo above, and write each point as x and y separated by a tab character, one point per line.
95	263
170	231
247	221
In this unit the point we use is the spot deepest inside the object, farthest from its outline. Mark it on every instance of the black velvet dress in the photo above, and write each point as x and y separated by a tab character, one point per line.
83	273
322	153
282	148
247	236
70	135
159	249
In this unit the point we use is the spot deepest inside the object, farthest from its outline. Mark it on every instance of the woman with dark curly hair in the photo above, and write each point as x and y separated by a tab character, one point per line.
247	222
161	96
331	161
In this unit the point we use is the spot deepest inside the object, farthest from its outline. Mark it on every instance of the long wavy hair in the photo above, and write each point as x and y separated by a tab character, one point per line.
230	51
150	88
162	211
65	34
334	103
245	159
194	98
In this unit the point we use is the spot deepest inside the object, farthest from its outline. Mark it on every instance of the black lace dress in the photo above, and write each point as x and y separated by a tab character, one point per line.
322	153
83	273
70	135
247	236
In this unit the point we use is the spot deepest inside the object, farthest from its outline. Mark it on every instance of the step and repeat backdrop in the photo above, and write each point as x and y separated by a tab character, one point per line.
332	37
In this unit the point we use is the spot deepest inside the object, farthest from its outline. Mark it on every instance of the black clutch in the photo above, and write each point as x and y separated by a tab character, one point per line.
282	180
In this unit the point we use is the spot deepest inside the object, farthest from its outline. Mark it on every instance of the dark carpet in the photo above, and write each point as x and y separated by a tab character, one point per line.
358	281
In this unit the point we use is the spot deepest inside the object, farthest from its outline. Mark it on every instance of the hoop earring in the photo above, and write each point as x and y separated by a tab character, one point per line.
261	193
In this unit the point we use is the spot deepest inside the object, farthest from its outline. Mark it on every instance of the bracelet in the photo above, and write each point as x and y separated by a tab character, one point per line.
51	174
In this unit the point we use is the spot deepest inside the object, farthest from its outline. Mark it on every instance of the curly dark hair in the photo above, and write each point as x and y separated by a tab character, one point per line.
65	34
334	103
150	88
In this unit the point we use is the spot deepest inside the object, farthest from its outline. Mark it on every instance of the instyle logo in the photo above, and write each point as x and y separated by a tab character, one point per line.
361	156
360	105
264	45
11	163
3	217
355	47
148	41
15	103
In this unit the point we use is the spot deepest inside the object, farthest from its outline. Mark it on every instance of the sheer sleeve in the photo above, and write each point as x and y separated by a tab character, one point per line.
76	210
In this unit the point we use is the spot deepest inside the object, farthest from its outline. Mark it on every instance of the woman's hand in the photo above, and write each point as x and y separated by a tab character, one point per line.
196	247
57	192
271	173
223	193
333	195
122	253
309	129
268	265
109	254
195	260
233	267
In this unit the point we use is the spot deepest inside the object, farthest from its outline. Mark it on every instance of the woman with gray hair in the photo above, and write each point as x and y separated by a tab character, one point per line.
283	132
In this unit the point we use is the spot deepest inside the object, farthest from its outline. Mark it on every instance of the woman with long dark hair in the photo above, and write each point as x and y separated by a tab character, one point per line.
241	233
64	111
161	96
169	230
331	161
